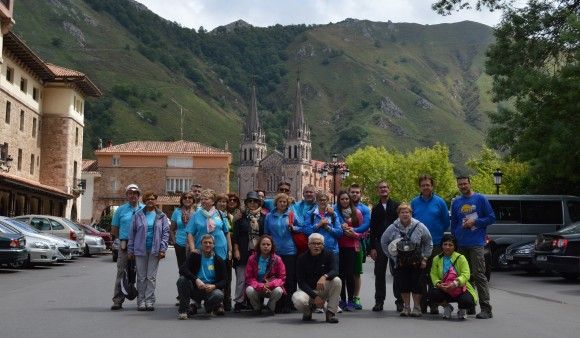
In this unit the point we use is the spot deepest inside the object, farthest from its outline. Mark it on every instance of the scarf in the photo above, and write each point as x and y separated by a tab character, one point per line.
210	224
254	233
186	215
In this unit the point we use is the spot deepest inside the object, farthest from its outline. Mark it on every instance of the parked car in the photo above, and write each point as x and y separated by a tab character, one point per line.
64	250
12	247
41	250
523	217
115	249
57	226
89	230
521	255
94	245
560	251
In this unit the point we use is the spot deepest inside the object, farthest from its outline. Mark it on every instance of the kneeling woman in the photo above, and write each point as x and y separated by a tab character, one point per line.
450	276
265	275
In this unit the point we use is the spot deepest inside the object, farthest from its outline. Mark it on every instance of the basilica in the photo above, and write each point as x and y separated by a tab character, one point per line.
263	169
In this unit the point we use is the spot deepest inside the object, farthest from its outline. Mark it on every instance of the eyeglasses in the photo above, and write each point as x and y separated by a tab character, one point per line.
316	243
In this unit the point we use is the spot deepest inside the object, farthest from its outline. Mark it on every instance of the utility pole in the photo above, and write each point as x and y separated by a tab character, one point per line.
180	117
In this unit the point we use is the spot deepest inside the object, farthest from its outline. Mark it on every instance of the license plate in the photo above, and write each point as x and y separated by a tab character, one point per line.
541	258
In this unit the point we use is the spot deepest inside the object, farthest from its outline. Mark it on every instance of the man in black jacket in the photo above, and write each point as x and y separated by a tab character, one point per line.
383	214
203	277
317	272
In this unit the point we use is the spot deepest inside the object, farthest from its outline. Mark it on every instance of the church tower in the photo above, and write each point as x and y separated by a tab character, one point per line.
252	150
297	148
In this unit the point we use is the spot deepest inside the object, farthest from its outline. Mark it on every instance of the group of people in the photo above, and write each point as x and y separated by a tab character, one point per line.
308	255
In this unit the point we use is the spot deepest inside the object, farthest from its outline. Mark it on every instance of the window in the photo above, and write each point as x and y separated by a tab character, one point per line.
41	224
32	164
23	85
116	161
574	210
35	93
77	136
21	120
542	212
10	74
180	162
19	164
177	184
34	127
8	109
56	226
4	151
114	185
506	211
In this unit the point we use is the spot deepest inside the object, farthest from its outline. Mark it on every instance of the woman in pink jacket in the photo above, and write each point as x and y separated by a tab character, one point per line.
265	276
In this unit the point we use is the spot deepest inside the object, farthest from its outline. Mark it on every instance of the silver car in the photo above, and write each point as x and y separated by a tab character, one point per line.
63	247
56	226
94	245
41	250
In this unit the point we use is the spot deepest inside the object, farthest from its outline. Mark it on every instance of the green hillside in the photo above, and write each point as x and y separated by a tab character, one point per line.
394	84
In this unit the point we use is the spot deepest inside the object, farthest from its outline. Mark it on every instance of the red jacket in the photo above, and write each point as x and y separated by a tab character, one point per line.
275	273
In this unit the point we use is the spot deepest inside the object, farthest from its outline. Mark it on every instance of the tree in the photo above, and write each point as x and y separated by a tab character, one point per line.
535	67
514	180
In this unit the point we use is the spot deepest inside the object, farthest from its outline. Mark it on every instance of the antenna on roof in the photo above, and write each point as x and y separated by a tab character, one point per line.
180	117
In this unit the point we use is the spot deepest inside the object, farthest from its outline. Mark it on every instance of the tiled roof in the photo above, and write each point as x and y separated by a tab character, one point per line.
168	199
177	147
64	72
32	184
90	166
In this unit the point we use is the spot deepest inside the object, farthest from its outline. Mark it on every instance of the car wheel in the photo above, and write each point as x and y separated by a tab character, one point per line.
496	253
115	255
87	251
569	276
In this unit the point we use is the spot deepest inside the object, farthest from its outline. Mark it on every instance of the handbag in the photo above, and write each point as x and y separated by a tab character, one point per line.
299	238
450	277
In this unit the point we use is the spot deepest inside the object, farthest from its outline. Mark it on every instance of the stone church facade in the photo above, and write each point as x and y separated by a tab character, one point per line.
263	169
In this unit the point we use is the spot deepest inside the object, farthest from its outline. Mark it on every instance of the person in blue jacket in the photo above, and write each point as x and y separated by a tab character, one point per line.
471	213
431	210
306	205
355	193
323	220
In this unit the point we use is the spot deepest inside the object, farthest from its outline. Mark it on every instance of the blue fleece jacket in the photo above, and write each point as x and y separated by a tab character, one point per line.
477	207
433	213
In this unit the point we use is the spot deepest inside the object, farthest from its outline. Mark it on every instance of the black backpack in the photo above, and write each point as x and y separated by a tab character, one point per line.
408	253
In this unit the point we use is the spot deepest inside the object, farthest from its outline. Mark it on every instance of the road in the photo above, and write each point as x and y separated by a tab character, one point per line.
73	300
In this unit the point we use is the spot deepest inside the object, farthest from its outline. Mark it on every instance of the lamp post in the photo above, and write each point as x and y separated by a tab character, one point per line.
335	168
497	174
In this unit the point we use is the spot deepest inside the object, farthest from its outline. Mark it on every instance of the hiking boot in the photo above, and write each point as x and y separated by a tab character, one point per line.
331	318
220	311
182	316
484	315
447	310
378	307
307	318
357	303
192	309
141	307
471	311
461	314
116	306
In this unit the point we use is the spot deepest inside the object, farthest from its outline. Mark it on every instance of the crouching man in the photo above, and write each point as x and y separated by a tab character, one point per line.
203	277
317	272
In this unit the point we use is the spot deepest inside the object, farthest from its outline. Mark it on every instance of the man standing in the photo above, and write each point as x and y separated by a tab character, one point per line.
306	206
355	193
431	210
283	187
317	278
120	225
471	213
203	277
384	213
196	190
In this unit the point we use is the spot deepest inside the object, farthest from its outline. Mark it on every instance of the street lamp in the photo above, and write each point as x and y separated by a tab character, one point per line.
497	174
334	168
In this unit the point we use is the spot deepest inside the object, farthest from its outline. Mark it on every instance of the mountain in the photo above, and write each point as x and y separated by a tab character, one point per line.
399	85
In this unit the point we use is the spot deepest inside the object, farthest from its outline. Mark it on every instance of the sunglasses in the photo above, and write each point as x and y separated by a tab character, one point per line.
283	190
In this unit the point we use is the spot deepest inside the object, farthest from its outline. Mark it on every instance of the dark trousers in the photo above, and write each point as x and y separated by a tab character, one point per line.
464	301
290	284
346	271
179	254
380	282
228	288
186	291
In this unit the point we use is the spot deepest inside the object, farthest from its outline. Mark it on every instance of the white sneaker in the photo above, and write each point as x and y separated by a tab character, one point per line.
182	316
339	310
447	310
461	314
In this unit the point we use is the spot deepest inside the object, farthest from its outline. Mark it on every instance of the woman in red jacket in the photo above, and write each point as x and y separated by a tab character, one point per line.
265	276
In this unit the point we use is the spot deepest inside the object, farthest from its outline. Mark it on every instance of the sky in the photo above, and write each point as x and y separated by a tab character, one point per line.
213	13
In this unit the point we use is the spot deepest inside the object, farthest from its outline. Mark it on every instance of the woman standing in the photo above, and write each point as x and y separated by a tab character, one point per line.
208	220
450	276
179	220
349	217
234	207
411	247
279	224
323	220
265	275
247	231
221	203
147	244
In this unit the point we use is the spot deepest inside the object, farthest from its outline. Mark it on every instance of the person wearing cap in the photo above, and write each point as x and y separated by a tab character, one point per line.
247	231
147	245
120	225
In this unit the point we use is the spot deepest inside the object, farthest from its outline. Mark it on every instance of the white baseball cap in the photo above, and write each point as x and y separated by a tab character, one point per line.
132	187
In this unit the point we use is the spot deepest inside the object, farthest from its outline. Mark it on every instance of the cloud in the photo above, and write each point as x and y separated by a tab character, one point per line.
214	13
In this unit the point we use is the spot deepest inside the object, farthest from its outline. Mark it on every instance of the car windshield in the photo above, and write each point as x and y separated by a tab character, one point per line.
71	224
21	225
571	229
6	230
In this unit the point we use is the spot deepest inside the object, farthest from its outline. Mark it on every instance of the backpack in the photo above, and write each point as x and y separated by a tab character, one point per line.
408	253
